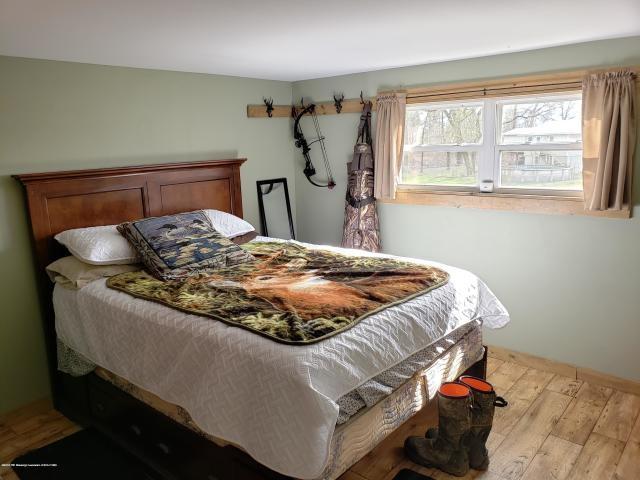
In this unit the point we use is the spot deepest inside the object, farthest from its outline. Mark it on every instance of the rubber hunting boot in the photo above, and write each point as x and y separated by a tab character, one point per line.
485	402
448	450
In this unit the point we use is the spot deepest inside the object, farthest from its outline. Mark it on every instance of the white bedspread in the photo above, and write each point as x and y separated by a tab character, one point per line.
275	401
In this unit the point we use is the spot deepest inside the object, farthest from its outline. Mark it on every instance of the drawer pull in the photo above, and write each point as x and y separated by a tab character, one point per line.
164	448
136	429
100	407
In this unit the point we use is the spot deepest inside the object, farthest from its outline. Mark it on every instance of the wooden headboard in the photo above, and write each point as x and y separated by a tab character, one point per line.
59	201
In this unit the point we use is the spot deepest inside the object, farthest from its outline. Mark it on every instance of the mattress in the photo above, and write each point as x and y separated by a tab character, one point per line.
379	387
365	395
213	370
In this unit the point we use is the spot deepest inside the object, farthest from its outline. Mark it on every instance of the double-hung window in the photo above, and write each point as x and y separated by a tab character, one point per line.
526	145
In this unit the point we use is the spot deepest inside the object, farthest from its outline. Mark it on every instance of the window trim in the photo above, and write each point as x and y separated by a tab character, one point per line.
544	204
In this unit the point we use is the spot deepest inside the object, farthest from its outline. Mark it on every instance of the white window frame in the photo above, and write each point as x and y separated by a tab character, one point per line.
490	149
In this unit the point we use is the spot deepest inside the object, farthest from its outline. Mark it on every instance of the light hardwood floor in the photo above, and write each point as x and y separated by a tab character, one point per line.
555	427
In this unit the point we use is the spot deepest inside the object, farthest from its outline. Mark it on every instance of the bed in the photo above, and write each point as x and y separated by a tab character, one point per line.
225	421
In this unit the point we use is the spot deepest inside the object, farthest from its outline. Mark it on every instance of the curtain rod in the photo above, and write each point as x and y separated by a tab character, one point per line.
563	80
484	90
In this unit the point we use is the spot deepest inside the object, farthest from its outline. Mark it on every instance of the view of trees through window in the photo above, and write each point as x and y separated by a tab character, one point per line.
458	125
537	144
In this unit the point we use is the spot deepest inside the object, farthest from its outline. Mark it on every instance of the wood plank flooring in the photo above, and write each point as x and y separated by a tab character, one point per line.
556	427
30	427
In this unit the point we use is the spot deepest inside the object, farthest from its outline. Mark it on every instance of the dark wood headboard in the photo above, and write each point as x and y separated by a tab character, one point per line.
59	201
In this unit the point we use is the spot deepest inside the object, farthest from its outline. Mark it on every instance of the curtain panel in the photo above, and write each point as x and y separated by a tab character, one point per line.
389	143
608	136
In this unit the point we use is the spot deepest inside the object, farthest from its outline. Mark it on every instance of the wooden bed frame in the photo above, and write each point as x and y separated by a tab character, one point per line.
59	201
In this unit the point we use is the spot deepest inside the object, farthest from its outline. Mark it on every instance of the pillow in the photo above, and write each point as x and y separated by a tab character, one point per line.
175	246
98	245
227	224
74	274
105	246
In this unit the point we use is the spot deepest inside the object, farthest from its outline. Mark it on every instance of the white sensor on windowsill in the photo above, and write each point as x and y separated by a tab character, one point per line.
486	186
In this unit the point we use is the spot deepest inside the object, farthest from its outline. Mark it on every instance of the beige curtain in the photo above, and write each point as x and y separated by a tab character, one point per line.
608	137
389	141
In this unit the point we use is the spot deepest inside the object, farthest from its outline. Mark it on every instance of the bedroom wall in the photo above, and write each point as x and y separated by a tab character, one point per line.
57	115
570	283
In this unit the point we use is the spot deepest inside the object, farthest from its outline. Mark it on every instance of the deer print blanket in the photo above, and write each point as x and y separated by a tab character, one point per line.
291	294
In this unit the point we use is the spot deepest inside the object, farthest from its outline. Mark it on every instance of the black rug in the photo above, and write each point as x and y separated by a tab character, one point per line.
406	474
84	455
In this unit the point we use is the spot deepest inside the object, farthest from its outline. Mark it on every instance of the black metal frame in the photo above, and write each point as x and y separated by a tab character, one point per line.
263	219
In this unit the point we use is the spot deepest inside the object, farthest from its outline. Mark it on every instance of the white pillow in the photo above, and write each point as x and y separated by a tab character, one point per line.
98	245
228	225
69	272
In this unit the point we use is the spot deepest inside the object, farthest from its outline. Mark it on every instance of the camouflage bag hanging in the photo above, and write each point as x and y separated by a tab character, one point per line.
361	229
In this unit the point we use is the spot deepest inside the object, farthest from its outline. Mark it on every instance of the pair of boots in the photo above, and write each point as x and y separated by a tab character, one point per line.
465	416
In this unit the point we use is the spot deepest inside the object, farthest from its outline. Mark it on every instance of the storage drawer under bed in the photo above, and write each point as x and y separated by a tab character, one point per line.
170	449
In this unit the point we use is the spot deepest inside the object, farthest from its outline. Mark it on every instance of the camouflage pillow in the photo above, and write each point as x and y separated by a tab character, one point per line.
175	246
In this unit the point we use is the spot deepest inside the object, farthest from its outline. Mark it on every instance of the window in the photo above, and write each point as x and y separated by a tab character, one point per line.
442	144
529	145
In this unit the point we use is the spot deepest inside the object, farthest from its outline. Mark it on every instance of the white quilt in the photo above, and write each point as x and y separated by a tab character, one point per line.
276	401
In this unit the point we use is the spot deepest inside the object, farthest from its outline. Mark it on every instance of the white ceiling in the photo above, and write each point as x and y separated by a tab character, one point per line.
299	39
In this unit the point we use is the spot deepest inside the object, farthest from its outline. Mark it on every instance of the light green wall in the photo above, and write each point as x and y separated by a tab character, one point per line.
56	115
571	284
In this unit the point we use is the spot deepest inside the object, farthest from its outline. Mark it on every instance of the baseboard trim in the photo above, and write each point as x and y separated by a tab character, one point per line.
599	378
565	369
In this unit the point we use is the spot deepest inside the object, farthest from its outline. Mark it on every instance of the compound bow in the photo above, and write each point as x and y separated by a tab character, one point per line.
301	142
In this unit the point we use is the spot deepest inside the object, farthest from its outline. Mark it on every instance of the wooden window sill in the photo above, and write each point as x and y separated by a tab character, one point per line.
548	204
